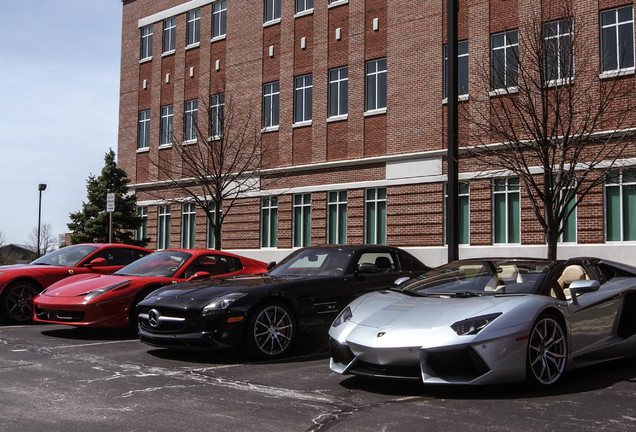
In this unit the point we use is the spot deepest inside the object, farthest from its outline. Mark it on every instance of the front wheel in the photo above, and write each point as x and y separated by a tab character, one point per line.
547	352
270	331
17	302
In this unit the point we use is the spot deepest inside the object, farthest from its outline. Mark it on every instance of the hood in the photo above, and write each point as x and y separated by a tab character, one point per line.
387	309
208	289
82	283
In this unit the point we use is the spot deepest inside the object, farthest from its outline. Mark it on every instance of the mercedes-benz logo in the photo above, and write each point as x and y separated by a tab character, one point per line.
153	318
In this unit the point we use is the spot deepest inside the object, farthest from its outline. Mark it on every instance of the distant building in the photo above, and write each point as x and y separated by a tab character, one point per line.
354	94
16	254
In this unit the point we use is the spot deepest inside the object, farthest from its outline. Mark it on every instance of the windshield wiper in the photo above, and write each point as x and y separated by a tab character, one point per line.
461	294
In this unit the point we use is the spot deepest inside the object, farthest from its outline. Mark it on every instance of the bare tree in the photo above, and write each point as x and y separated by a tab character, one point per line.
220	158
547	117
47	240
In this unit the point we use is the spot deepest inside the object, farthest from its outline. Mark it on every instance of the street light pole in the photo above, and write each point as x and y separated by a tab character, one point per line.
41	187
452	214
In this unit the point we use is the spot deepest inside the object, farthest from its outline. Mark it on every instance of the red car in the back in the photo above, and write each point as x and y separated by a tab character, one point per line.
109	301
20	283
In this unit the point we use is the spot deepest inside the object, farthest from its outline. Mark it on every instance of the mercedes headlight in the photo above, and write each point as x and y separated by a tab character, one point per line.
344	316
472	326
222	302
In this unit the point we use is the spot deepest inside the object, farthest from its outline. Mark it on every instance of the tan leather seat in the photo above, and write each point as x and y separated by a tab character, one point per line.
569	275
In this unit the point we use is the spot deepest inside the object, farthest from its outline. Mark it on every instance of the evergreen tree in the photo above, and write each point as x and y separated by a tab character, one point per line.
92	222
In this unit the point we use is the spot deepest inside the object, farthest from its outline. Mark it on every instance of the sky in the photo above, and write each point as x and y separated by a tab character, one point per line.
59	102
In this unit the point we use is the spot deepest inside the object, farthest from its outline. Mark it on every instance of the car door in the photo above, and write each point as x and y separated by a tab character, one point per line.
593	314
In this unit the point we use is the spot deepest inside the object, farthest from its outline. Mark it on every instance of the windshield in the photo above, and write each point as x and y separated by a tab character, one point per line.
481	278
68	256
314	262
163	264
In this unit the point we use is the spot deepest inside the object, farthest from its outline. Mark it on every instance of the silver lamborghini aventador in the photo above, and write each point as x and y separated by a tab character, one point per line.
485	321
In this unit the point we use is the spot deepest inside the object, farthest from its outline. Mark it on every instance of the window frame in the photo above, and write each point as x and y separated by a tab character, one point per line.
210	236
301	220
193	28
557	55
141	232
303	99
618	53
269	222
145	49
376	85
163	226
169	35
303	6
166	125
375	224
508	191
622	184
219	19
143	129
338	89
217	110
463	195
337	225
462	69
271	11
188	225
510	55
271	100
190	119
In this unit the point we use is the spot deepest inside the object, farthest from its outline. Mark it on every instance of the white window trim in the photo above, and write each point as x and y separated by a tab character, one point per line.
302	124
218	38
337	3
304	13
143	150
145	60
272	22
501	91
617	73
270	129
168	53
460	98
375	112
338	118
194	45
165	146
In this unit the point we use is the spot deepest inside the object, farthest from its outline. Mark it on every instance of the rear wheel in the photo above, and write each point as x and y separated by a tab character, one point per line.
16	303
270	331
547	352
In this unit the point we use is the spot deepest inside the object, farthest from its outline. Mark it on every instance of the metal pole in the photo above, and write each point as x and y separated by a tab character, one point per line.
452	213
110	227
41	187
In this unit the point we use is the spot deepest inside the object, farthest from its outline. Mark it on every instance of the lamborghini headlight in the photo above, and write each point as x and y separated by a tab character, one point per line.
344	316
222	302
472	326
92	294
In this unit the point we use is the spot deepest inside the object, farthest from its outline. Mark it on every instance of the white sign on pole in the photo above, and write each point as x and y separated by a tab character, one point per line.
110	202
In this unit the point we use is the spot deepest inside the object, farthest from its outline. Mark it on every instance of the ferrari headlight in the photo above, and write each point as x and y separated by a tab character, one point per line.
344	316
221	303
472	326
92	294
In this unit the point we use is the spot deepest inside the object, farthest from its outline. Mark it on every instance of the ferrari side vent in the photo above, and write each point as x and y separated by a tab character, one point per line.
627	323
455	365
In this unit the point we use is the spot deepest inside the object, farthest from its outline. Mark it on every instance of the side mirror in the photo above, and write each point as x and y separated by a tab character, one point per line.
199	275
401	280
97	262
579	287
271	265
366	268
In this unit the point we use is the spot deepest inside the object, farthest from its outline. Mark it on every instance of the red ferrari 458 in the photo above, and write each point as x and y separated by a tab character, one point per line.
109	301
20	283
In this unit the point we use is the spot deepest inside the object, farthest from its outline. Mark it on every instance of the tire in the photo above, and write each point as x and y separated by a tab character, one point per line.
16	302
271	331
547	352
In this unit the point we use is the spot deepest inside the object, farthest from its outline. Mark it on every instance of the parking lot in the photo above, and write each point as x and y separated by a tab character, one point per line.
57	378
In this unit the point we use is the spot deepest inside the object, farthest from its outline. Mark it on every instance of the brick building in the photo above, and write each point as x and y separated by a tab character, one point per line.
351	95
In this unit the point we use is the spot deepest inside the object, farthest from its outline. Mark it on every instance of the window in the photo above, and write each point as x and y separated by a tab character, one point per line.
569	226
211	241
142	230
375	98
146	42
269	222
163	227
193	27
217	103
165	128
504	60
506	209
302	98
271	93
304	5
559	58
219	14
301	219
169	34
143	130
617	39
338	91
272	10
375	216
188	226
462	69
620	206
190	117
463	210
337	217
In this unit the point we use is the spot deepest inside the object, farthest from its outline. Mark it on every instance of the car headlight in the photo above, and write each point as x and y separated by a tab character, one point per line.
472	326
90	295
221	303
344	316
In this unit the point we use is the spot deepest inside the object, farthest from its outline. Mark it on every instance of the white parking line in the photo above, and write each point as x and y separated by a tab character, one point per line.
91	344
